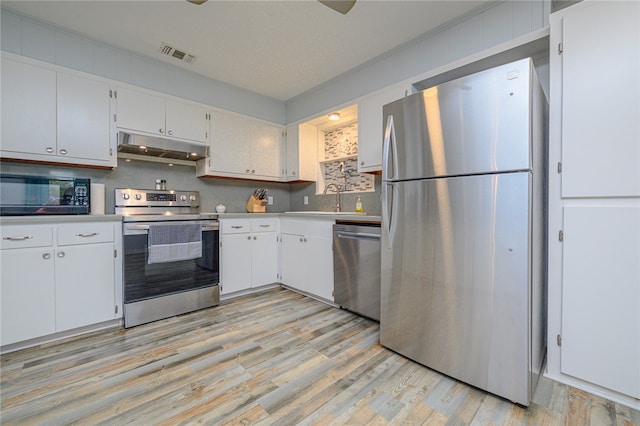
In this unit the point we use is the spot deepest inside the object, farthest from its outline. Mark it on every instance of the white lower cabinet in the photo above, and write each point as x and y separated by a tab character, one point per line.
307	256
57	277
248	253
28	291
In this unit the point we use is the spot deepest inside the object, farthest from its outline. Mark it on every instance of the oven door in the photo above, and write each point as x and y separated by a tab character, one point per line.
152	290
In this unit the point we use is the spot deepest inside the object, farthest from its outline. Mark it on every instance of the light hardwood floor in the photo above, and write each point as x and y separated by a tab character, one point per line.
272	358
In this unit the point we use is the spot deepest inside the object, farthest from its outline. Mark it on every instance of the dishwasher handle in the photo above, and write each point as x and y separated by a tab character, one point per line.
357	235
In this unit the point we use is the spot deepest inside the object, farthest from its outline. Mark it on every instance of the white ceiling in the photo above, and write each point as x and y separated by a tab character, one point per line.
275	48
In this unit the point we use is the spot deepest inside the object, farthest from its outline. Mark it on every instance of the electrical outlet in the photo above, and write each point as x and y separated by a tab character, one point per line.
306	200
270	200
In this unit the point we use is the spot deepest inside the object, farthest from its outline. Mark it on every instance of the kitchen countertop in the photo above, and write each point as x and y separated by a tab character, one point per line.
75	218
342	216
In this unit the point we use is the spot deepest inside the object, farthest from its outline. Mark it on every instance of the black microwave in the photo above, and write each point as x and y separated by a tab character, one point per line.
22	195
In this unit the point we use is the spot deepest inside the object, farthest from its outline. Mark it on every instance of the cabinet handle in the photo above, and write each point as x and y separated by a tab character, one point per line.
264	226
60	254
26	237
170	132
46	256
63	151
49	149
92	234
237	226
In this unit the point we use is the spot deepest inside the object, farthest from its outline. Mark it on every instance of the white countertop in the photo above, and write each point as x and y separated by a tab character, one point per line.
342	216
76	218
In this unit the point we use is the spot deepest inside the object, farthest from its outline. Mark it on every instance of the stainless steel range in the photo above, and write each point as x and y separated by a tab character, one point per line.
170	254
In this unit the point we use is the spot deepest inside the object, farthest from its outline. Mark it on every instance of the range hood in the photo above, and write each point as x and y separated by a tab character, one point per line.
160	148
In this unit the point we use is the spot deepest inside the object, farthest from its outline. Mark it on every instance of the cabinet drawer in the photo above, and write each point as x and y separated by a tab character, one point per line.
264	225
22	236
235	226
85	233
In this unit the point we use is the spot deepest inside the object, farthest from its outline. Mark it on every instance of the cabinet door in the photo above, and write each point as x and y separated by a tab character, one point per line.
370	127
27	295
230	144
319	267
83	118
85	285
265	149
291	153
600	296
264	258
28	108
140	111
308	152
235	262
601	100
186	121
293	261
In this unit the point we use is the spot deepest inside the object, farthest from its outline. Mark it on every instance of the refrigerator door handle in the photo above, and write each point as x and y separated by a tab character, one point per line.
389	201
389	157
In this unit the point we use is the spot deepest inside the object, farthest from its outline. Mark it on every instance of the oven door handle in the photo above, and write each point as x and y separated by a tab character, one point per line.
146	227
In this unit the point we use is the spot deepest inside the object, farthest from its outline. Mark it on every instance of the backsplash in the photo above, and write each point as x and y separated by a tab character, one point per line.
340	143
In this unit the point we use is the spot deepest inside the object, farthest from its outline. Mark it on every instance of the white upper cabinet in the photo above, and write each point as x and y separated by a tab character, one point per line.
83	118
28	98
371	127
243	147
600	107
55	117
301	159
157	115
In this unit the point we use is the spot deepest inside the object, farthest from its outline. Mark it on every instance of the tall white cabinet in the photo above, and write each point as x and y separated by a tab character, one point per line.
594	199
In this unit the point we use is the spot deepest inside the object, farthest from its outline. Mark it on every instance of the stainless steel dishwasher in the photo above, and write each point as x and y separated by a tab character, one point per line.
356	267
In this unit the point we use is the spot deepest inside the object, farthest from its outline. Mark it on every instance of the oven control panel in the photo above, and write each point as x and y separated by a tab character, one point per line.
156	198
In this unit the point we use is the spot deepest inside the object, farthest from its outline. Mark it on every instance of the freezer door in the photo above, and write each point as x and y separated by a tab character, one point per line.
476	124
455	279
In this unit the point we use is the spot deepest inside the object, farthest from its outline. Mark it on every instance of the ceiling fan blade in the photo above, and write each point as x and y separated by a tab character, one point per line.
342	6
196	1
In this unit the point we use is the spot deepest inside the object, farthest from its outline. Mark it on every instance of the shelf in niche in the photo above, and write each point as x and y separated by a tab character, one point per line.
346	157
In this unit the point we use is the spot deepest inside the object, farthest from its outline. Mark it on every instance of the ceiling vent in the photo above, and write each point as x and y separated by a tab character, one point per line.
178	54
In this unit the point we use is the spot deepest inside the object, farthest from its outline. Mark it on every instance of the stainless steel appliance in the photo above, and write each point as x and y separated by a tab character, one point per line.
178	275
23	195
356	267
463	234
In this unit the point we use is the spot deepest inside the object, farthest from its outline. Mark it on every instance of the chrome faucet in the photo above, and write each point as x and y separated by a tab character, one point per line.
337	207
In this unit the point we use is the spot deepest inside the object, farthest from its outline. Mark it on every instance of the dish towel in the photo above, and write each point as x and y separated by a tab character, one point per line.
171	243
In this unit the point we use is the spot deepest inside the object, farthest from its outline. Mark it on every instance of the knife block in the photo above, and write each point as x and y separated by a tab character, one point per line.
256	206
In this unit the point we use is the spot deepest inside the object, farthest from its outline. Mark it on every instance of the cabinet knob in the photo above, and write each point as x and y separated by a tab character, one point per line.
247	171
63	152
49	149
160	130
249	237
170	132
46	256
60	254
362	163
255	238
253	171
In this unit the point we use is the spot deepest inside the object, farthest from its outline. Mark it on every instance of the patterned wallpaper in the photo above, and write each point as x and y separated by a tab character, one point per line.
339	143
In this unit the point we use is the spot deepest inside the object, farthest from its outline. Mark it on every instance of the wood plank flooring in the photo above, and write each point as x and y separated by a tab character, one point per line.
275	357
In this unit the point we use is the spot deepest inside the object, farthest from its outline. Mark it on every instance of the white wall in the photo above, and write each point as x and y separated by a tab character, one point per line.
33	39
468	35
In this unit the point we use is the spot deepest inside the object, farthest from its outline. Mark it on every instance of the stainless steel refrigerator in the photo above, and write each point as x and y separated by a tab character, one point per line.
464	231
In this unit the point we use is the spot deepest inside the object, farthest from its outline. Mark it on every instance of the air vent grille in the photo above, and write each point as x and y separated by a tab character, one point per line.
178	54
